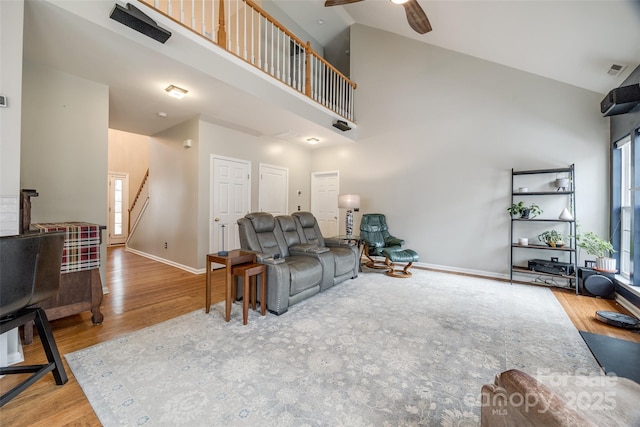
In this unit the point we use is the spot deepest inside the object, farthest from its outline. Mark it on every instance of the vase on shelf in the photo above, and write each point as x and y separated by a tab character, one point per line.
566	215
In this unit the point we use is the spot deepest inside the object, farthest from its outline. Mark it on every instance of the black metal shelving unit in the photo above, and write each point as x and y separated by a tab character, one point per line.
570	248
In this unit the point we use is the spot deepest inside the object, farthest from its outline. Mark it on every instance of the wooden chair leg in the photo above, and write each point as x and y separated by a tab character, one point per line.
406	269
263	294
372	263
245	298
404	274
254	290
50	347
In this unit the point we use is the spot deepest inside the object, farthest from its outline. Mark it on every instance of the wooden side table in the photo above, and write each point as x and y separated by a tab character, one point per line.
234	257
249	273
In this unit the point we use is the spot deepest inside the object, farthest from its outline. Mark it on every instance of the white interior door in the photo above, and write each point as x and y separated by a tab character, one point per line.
325	187
230	200
118	227
274	190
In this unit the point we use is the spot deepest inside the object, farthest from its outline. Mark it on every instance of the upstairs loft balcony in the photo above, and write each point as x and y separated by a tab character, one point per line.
244	29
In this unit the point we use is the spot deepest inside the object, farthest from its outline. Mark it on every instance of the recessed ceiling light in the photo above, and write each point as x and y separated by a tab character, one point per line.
176	92
320	21
162	114
313	141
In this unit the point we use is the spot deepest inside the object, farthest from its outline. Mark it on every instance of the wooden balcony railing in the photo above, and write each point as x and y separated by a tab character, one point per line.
247	31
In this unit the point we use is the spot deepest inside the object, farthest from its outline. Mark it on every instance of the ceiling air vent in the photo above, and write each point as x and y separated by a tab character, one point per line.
616	69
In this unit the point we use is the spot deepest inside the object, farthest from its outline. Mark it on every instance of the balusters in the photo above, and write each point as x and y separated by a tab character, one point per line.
257	38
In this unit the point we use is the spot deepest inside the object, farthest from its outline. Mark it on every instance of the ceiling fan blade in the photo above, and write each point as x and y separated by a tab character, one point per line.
328	3
417	18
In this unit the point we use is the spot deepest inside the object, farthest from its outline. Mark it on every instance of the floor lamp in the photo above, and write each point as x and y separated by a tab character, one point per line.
350	202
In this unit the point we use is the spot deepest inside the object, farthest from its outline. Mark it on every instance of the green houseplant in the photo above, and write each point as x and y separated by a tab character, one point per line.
601	249
552	238
525	212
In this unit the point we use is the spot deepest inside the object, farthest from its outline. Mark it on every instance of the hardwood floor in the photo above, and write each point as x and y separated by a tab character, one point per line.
144	292
582	311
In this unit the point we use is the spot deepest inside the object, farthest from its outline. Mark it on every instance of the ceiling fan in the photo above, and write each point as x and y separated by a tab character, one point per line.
415	15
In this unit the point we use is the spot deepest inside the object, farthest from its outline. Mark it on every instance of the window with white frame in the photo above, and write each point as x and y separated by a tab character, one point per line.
626	210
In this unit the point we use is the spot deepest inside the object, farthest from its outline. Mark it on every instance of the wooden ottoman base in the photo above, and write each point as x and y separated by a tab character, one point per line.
408	256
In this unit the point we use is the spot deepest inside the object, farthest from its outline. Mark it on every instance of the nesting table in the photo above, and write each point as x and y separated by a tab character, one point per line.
231	258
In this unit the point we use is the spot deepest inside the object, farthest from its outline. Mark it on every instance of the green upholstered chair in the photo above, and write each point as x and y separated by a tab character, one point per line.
375	235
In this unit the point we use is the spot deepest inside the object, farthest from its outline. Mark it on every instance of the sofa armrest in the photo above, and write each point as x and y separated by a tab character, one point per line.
307	248
278	285
332	241
269	260
393	241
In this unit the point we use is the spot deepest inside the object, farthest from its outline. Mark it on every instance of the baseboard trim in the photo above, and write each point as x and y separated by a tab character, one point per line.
166	261
464	271
633	309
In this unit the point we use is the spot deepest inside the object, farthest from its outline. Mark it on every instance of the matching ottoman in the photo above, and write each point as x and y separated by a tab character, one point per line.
408	256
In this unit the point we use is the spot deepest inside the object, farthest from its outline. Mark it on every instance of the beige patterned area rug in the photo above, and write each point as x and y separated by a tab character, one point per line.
373	351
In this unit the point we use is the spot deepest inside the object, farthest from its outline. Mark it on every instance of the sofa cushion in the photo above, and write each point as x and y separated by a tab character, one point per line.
309	229
305	272
262	222
289	230
345	260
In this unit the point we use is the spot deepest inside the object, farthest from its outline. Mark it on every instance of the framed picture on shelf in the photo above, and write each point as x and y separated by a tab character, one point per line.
589	264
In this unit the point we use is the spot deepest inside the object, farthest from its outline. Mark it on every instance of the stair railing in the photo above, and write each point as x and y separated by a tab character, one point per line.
142	195
250	33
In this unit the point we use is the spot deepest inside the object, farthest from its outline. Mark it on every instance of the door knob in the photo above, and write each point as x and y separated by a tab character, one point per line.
216	219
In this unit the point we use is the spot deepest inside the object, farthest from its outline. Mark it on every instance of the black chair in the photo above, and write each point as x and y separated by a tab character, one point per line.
29	274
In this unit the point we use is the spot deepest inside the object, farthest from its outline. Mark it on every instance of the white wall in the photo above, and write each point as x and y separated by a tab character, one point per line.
439	134
64	147
11	23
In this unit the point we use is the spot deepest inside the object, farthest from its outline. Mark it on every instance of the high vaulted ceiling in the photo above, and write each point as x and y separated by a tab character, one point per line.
570	41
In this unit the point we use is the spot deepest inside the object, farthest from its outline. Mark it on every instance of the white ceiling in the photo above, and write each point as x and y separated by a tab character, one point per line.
570	41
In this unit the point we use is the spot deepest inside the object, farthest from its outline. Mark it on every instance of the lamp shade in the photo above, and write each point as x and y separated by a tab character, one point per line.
349	201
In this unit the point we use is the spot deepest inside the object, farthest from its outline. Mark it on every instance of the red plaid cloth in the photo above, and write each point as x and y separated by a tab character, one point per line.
81	245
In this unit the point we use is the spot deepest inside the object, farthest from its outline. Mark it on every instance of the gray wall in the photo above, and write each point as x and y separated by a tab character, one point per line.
439	134
221	141
129	153
64	147
11	23
179	186
171	215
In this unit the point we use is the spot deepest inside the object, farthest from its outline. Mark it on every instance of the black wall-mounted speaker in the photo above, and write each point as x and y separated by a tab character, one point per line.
134	18
342	125
620	100
596	284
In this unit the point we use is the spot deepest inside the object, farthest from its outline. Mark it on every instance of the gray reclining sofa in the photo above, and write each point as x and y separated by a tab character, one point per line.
345	255
296	270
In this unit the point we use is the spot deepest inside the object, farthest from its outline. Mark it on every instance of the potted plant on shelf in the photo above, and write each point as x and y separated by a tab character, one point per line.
601	249
525	212
552	238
